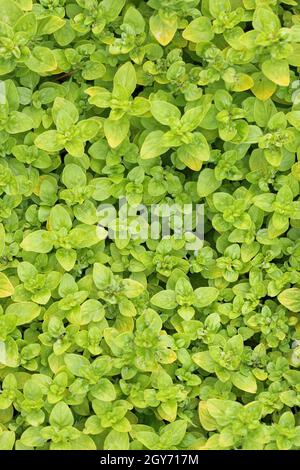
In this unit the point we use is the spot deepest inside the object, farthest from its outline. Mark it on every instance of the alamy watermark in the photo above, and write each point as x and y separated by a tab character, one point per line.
153	222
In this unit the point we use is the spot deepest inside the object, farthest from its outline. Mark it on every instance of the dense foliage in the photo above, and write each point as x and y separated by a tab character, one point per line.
135	342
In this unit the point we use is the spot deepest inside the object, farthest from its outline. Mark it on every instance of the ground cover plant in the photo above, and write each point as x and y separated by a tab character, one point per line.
113	341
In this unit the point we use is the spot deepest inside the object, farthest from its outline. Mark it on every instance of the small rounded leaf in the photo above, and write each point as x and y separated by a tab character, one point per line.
165	299
6	287
290	298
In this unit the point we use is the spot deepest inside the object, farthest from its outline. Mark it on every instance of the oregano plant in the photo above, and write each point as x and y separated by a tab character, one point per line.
149	225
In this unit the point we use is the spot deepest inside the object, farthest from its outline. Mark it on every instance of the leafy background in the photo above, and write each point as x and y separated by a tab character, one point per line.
134	342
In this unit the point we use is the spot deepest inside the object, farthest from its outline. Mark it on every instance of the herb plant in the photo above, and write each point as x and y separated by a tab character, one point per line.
114	339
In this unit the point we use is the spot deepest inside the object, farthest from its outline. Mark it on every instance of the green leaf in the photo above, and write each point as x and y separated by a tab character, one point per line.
277	71
135	19
221	410
207	182
87	129
199	30
84	236
2	239
125	79
7	440
173	433
264	201
18	122
93	70
66	258
165	299
31	437
99	96
27	24
247	383
104	390
25	312
139	106
222	201
26	271
102	276
38	241
263	88
41	60
103	188
285	195
163	30
193	155
127	308
61	416
64	109
290	298
73	176
294	118
148	438
207	421
93	425
116	131
279	222
194	116
50	141
50	24
116	441
265	20
204	360
217	7
59	218
10	12
152	146
112	8
205	296
76	364
83	443
75	147
6	287
91	310
132	288
165	113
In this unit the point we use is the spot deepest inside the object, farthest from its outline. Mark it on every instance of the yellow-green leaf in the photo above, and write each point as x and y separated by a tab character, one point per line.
199	30
263	88
290	298
277	71
6	287
162	30
242	82
116	131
